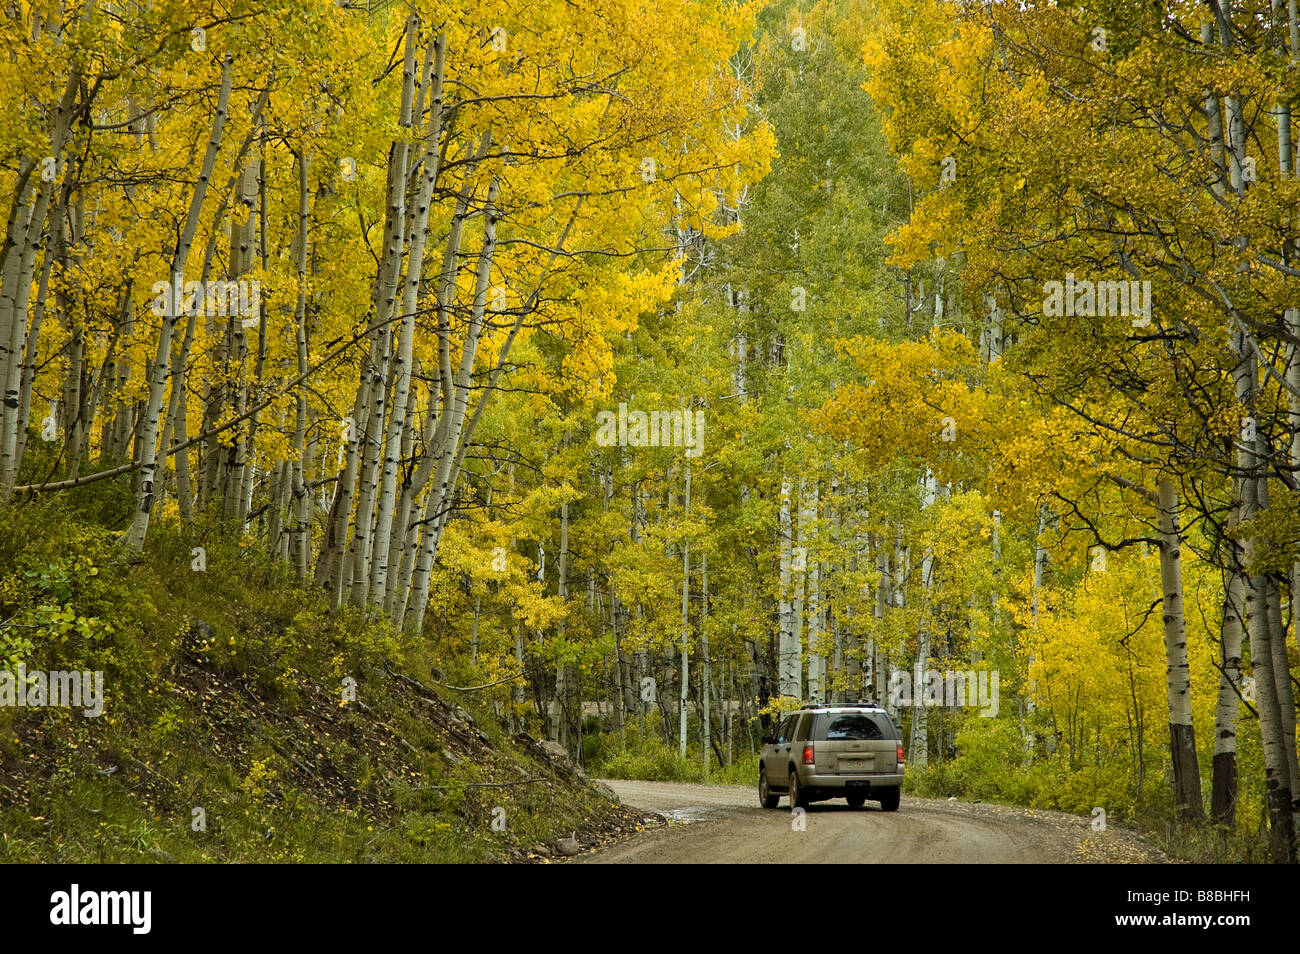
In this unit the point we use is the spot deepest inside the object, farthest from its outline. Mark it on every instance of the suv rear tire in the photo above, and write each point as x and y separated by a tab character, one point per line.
766	797
798	797
889	799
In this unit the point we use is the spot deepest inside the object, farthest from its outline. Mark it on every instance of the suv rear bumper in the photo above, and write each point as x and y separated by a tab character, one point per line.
861	782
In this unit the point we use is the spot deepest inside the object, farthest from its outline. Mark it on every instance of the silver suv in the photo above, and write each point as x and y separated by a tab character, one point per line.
851	751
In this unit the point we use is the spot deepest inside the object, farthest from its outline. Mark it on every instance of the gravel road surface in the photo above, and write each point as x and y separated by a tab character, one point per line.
724	825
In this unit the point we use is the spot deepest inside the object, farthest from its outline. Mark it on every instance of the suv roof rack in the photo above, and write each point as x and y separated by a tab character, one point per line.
839	705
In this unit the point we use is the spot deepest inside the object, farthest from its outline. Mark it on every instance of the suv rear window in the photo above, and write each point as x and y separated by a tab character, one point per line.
802	733
786	732
854	726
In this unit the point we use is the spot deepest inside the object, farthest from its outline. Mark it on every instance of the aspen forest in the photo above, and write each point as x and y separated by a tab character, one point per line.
596	382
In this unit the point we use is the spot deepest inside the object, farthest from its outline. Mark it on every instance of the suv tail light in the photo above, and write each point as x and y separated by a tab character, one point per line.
807	755
901	758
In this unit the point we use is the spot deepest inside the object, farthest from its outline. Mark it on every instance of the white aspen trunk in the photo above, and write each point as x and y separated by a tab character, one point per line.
1285	692
400	544
437	423
837	671
816	651
101	381
73	403
1223	788
1041	559
997	568
994	335
789	674
642	657
1253	491
13	313
799	579
439	499
281	497
210	468
1214	122
902	565
918	749
626	697
416	243
706	725
622	673
1182	738
135	535
1291	322
857	666
519	692
184	483
218	472
391	540
177	402
1293	379
397	599
56	250
242	466
330	566
559	711
247	462
26	225
300	544
883	599
362	548
686	623
449	455
395	605
729	694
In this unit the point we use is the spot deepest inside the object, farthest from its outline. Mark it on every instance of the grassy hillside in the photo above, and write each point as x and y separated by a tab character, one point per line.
224	691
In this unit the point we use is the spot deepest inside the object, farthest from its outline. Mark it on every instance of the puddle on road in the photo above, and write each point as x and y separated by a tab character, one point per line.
689	814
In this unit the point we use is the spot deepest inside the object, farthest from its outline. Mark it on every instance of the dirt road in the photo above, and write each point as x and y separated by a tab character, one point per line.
723	824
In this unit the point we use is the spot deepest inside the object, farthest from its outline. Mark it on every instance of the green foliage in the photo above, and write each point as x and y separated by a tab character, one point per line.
245	722
644	757
640	753
57	590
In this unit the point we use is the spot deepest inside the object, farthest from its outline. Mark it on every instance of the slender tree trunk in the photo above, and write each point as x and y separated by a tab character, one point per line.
1223	798
816	652
438	501
416	243
706	719
789	674
1042	562
918	750
17	267
884	598
135	536
686	622
1254	499
1182	737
